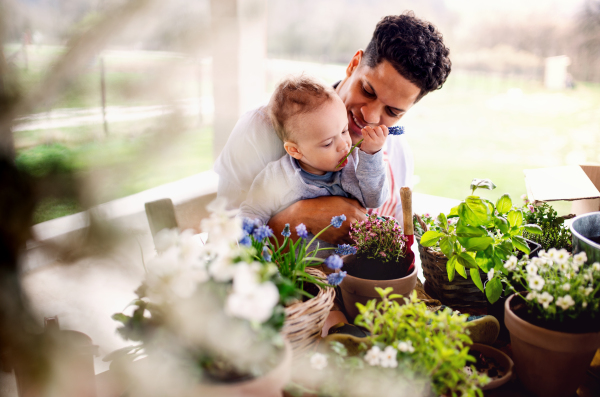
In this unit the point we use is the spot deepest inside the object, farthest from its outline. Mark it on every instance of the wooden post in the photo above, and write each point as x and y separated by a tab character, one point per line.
103	94
406	200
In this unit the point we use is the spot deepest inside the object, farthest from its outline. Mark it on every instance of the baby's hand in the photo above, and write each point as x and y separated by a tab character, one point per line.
374	138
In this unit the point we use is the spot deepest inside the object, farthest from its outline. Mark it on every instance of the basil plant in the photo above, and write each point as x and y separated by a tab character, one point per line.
483	237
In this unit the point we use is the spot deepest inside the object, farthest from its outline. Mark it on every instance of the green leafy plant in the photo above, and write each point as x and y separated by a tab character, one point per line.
555	234
484	235
409	343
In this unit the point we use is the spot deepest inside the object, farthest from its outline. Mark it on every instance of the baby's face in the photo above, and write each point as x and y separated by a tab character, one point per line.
322	137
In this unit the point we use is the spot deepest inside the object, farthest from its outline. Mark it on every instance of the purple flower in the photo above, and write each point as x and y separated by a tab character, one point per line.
245	241
248	225
345	249
337	221
396	130
336	278
301	231
266	254
262	232
334	262
286	230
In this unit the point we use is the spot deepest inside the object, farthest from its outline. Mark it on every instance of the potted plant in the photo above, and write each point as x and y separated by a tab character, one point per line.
308	290
482	236
207	317
381	259
553	319
410	350
555	234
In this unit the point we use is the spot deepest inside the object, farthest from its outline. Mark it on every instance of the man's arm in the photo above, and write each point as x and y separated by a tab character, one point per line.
316	214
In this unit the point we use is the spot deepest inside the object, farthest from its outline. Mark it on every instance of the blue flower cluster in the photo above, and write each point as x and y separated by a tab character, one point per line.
337	221
336	278
345	249
286	230
248	225
262	232
245	241
396	130
266	254
334	262
301	231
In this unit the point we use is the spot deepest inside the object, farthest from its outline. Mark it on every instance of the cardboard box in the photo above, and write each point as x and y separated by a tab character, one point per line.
577	183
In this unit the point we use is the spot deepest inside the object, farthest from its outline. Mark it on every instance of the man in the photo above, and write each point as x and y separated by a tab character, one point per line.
405	59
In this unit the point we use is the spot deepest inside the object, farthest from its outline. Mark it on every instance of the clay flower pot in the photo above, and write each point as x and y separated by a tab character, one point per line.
549	363
361	290
269	385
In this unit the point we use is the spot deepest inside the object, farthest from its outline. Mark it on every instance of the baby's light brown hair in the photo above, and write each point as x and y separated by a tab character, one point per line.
296	95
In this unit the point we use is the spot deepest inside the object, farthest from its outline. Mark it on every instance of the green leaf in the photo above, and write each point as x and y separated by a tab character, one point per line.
521	244
476	243
451	267
504	203
470	231
485	259
446	246
476	278
430	238
515	218
460	269
533	229
482	184
504	249
467	261
474	211
453	212
493	289
501	223
443	221
120	317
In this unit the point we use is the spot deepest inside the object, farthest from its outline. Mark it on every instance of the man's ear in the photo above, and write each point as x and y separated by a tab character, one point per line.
292	149
354	62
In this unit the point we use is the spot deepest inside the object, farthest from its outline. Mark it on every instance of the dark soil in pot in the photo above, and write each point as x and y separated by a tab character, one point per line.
374	269
584	324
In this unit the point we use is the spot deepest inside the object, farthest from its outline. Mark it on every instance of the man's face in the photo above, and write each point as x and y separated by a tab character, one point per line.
374	96
322	138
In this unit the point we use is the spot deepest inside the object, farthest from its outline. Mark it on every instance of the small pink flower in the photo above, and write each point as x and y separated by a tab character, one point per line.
382	254
531	208
427	214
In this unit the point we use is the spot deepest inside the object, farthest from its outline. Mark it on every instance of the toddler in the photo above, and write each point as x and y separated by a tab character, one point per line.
311	121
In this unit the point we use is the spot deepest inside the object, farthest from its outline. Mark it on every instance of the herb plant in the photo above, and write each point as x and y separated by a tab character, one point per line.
427	350
379	237
555	234
484	236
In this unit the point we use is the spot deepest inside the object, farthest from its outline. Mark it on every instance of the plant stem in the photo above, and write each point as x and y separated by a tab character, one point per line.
350	152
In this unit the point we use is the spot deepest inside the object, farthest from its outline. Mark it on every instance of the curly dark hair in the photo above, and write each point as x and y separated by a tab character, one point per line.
414	47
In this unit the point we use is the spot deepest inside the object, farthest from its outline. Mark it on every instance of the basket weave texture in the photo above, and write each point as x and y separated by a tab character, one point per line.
458	293
304	320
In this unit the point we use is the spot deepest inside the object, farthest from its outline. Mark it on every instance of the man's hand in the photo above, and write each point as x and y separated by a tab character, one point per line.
374	138
316	214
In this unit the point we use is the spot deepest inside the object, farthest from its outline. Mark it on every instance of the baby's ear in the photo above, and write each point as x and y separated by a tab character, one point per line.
292	149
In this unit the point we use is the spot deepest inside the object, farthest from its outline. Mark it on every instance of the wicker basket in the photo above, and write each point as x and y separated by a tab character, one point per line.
461	292
304	320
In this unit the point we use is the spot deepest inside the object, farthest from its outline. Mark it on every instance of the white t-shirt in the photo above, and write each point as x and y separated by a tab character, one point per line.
253	144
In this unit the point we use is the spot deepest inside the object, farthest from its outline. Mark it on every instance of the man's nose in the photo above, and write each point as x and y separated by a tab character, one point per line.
370	113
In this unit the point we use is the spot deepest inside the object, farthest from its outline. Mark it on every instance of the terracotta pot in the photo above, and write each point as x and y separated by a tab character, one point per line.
505	363
269	385
549	363
360	290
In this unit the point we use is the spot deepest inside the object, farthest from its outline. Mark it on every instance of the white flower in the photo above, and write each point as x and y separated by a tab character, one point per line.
565	302
536	283
588	291
388	357
373	356
490	274
406	347
250	299
542	253
551	254
580	258
564	267
318	361
566	286
166	239
575	266
561	256
531	269
531	295
222	226
596	267
539	262
511	263
584	304
544	299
